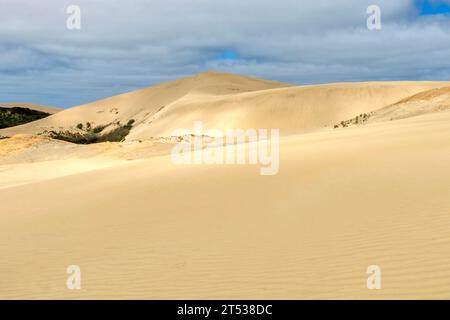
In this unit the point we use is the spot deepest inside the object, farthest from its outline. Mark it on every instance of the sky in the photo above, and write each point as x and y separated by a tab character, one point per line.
127	45
427	7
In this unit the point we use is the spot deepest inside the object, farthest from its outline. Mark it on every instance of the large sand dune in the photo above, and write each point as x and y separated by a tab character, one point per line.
143	104
223	101
141	227
293	109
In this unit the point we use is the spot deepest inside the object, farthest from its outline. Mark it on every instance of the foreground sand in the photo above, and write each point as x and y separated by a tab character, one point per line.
343	200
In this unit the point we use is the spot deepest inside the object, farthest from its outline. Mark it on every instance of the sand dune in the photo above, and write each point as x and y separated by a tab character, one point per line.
344	199
142	105
430	101
140	226
291	110
225	101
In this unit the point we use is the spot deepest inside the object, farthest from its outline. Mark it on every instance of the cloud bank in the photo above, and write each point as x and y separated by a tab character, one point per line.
126	45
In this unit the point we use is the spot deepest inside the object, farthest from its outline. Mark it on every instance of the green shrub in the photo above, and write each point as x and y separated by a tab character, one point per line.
73	137
10	117
116	135
94	136
99	128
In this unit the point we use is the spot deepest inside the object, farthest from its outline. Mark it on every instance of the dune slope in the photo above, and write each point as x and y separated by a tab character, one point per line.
223	101
431	101
291	109
343	200
143	104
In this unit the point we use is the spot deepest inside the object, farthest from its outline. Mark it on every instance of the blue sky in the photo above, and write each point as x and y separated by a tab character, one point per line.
428	7
127	45
229	55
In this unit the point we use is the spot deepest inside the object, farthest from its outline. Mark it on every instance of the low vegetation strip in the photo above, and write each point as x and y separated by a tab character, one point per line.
87	134
10	117
361	119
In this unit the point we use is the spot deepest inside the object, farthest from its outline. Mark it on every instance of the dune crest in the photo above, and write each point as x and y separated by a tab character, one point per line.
222	101
431	101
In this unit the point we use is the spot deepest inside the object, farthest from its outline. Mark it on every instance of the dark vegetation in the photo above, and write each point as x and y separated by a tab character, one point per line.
354	121
90	135
10	117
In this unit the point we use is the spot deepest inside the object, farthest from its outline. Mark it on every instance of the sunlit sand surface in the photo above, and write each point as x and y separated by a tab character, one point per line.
141	227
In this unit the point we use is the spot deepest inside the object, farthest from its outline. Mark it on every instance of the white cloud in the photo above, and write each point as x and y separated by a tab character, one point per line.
124	45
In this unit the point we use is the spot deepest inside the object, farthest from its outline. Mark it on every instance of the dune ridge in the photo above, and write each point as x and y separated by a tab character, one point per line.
430	101
225	101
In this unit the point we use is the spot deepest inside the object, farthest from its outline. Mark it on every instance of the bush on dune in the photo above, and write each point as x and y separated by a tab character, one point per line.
10	117
93	135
